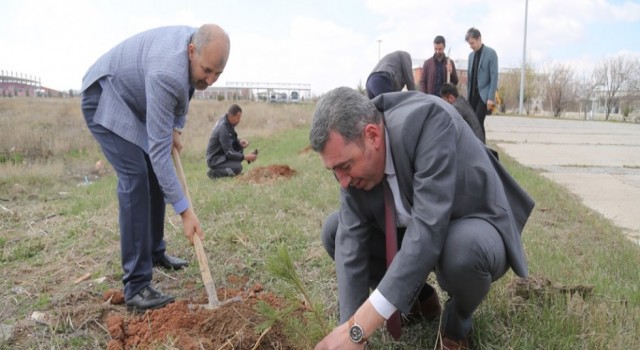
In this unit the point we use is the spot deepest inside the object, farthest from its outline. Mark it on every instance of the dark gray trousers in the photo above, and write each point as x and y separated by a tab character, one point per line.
140	199
226	168
472	258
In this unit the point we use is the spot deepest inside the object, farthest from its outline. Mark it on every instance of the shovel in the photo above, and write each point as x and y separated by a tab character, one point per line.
214	303
448	59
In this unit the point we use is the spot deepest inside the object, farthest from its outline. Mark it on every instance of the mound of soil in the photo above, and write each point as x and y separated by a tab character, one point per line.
540	286
268	173
190	327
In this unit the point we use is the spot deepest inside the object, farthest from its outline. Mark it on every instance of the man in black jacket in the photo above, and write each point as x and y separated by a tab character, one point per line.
225	151
449	93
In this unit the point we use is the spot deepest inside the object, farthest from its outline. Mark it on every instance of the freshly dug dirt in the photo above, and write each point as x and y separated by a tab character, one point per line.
268	173
231	326
540	286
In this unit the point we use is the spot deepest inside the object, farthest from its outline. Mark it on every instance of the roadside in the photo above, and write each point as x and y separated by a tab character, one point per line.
597	161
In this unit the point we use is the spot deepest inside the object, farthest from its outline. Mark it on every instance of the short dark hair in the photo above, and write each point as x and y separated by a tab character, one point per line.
234	109
345	111
448	89
472	33
439	40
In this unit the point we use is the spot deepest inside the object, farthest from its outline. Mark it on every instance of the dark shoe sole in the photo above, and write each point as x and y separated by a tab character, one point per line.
170	268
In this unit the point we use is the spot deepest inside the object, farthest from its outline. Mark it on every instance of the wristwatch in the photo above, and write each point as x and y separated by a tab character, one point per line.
356	333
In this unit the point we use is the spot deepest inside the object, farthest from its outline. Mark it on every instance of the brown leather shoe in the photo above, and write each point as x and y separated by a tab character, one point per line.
428	310
450	344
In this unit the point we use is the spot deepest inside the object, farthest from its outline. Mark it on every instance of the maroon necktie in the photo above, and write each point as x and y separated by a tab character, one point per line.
393	323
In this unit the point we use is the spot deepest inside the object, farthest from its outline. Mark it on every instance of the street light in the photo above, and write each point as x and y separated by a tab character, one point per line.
379	42
524	54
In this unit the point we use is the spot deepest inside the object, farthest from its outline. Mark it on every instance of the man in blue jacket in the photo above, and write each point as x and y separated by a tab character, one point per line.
225	152
482	69
135	100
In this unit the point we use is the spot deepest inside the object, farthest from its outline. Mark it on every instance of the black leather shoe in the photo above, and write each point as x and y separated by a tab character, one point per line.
148	299
170	262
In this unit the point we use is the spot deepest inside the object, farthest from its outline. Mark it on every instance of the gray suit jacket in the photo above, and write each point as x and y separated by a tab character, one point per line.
398	65
444	173
487	74
469	116
145	94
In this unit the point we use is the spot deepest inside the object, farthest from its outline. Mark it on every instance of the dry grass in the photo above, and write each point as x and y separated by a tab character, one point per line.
53	230
49	138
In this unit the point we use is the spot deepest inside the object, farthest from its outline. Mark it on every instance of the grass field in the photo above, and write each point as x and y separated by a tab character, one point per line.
58	221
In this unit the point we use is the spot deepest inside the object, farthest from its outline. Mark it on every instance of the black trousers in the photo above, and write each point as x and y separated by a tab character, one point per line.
481	111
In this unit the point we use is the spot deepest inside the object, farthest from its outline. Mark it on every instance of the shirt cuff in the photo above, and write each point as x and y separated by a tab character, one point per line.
381	304
181	205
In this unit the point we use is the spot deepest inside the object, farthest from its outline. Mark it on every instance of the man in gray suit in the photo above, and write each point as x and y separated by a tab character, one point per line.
482	70
135	100
392	73
461	213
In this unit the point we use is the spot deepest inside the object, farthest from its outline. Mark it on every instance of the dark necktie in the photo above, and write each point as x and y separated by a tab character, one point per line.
393	323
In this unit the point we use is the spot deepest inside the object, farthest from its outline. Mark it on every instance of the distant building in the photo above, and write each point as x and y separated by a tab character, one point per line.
14	84
257	91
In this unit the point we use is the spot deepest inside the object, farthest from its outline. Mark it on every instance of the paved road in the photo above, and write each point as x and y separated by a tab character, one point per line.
598	161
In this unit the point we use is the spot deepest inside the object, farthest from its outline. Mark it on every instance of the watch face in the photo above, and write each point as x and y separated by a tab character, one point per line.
356	333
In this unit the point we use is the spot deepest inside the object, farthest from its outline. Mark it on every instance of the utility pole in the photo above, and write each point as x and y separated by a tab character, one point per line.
524	54
379	42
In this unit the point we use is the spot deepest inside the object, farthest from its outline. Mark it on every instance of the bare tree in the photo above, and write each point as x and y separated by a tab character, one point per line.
614	76
361	88
532	88
583	89
509	88
559	87
509	85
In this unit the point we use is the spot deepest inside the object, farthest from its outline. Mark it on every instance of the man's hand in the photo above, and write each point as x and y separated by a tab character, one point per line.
191	225
177	140
366	316
490	106
251	157
244	143
339	339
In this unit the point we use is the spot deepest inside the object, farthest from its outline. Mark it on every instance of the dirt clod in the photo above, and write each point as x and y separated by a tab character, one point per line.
114	297
268	173
538	286
231	326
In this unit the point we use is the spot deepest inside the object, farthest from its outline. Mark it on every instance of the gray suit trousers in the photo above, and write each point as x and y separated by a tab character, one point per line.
473	257
140	199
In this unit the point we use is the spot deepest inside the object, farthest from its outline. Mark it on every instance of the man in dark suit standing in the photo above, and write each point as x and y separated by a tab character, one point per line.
482	69
135	100
457	212
392	73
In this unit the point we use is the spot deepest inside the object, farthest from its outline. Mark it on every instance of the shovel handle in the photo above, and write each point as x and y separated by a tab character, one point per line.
197	242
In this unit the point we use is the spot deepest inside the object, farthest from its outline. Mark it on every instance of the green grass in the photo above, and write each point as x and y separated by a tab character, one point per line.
51	239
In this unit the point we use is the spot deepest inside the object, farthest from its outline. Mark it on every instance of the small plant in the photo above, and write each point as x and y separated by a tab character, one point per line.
13	159
311	325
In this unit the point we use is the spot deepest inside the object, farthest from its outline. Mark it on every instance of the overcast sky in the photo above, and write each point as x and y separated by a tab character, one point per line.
325	43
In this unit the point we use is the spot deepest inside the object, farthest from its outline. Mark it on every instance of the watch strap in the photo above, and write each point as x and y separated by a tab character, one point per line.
355	327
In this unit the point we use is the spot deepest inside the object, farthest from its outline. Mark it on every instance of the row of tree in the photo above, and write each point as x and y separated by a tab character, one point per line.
613	86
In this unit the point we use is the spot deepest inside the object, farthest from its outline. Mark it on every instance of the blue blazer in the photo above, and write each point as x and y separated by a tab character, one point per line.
145	94
487	74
